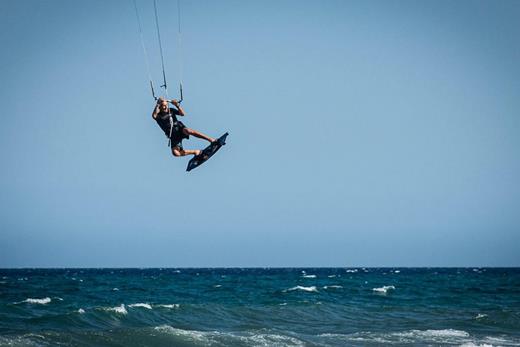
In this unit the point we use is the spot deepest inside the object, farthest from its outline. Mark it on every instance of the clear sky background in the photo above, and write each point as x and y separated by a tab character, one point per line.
362	133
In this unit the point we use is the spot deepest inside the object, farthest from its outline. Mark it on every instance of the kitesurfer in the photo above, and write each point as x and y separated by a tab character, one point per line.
174	129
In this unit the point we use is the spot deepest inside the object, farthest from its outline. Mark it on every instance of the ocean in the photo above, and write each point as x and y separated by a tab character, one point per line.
260	307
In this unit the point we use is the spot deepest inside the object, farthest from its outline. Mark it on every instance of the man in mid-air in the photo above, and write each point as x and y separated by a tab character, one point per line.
174	129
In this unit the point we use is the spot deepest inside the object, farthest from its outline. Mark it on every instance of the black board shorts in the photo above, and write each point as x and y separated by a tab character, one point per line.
178	135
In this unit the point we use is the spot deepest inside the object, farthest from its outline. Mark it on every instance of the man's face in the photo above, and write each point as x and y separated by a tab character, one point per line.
163	106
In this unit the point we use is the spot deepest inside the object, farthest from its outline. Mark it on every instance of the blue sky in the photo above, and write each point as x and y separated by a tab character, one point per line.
362	133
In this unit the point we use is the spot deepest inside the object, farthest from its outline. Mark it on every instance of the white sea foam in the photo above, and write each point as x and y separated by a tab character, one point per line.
43	301
118	309
383	289
421	337
498	340
305	289
333	287
216	338
396	271
309	276
270	340
199	336
25	340
217	285
433	333
352	270
115	289
481	315
143	305
357	337
81	311
331	276
170	306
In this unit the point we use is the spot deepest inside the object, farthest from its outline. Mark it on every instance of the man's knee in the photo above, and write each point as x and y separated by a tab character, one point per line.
177	152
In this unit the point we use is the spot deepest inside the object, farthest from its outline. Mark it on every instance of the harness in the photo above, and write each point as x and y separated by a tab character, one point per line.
172	124
171	128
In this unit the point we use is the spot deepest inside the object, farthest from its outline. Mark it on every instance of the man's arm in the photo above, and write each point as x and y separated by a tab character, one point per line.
156	110
178	106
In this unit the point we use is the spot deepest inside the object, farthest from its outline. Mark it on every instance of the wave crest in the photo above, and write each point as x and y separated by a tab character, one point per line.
143	305
43	301
305	289
118	309
383	289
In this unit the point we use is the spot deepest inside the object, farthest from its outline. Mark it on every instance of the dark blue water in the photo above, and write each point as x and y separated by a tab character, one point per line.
260	307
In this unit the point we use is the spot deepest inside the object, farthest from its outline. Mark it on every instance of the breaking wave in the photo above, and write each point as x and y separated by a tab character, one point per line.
305	289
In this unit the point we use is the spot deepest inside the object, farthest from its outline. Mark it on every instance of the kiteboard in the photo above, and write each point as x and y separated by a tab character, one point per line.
207	153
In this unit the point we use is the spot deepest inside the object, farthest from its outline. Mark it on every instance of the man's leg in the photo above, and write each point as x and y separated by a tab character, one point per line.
195	133
178	152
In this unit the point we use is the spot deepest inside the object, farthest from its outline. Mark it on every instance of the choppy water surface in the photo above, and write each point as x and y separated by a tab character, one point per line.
260	307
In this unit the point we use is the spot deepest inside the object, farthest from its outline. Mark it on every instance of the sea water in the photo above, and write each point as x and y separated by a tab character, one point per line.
260	307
